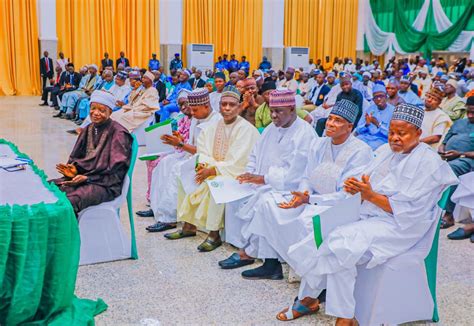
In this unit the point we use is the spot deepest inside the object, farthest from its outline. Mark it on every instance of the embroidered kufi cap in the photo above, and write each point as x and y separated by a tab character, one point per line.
199	97
282	98
346	109
409	113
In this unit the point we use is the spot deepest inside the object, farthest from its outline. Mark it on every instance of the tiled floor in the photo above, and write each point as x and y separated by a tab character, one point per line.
172	283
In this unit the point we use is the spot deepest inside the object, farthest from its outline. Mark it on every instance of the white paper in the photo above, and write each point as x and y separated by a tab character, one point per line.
281	197
188	174
346	211
225	189
8	162
154	144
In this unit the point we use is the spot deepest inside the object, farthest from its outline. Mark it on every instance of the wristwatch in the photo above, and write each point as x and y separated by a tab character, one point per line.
462	156
180	144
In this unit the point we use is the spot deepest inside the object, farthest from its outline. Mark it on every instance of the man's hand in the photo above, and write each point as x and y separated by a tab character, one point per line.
203	173
165	102
170	140
307	102
450	155
353	186
299	198
374	121
251	178
119	103
67	170
77	180
368	119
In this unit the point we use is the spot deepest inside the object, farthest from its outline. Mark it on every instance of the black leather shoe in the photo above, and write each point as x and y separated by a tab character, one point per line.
160	227
72	132
234	261
270	270
44	104
79	122
59	115
148	213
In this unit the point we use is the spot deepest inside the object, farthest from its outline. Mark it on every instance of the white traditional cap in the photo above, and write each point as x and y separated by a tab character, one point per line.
103	97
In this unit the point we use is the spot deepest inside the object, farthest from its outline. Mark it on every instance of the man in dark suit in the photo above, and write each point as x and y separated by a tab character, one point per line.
197	82
46	68
122	60
69	81
159	85
106	62
53	89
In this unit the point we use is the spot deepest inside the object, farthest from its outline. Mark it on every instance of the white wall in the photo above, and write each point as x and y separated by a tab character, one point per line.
46	11
273	21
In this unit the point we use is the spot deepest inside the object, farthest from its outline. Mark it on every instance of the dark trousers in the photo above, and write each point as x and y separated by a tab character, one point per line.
459	166
50	90
44	78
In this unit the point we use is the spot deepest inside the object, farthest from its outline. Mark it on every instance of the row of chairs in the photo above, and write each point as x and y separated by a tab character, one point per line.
401	290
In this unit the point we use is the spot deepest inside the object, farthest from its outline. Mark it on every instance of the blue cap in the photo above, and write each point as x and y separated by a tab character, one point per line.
379	89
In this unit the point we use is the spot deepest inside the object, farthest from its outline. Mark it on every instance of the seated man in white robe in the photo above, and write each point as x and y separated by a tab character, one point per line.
276	225
223	148
400	190
142	103
277	163
164	182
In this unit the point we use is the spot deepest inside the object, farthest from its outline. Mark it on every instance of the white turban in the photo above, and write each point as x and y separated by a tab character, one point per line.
93	66
149	75
103	97
183	93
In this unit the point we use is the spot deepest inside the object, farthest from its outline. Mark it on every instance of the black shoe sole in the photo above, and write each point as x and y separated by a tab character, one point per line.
274	277
237	266
161	229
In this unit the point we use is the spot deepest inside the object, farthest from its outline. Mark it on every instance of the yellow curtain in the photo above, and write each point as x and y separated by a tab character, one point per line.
233	26
88	28
327	27
19	50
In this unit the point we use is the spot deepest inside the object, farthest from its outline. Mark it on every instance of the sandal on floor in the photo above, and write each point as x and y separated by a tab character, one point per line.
445	224
296	311
209	245
179	235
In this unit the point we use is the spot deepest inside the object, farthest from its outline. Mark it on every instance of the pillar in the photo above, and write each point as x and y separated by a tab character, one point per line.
171	30
48	40
273	27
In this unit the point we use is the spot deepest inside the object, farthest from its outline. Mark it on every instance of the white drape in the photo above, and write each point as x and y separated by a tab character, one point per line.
420	20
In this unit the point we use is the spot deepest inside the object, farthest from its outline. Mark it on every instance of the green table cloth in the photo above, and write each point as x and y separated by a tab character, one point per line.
39	252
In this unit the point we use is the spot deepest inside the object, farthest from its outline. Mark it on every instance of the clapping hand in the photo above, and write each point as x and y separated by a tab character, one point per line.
299	198
353	186
77	180
67	170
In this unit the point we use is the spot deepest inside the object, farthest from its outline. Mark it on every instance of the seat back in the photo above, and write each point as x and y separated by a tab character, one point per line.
431	261
133	159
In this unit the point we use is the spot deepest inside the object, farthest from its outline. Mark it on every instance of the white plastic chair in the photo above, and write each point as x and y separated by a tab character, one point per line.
404	288
140	131
103	238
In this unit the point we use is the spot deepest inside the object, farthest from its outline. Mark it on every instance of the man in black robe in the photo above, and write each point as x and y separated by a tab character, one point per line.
97	166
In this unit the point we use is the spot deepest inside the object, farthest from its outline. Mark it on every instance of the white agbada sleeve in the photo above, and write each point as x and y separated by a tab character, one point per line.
414	187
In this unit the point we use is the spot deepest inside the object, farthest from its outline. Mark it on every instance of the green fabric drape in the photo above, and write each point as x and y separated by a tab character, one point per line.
411	40
383	10
39	257
454	10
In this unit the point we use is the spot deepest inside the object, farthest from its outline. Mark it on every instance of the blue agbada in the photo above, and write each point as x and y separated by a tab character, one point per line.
233	65
372	135
245	66
265	65
411	98
154	64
